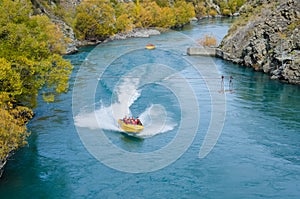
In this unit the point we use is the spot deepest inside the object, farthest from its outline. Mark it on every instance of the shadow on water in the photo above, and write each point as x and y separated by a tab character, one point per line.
131	138
27	170
268	110
125	141
257	91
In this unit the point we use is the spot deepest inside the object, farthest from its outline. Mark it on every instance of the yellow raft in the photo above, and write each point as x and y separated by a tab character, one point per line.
130	128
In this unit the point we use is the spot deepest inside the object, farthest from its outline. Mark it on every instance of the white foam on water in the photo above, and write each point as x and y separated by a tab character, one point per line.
156	121
154	118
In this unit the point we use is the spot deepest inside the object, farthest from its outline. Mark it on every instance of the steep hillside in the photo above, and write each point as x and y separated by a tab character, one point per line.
61	13
267	38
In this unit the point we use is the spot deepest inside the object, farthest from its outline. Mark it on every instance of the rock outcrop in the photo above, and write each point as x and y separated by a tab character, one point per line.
269	41
136	33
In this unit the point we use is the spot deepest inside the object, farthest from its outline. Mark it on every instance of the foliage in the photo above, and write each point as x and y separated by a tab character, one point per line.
12	133
10	86
208	41
163	3
212	12
92	24
95	20
294	25
227	7
200	10
184	12
29	60
30	46
226	12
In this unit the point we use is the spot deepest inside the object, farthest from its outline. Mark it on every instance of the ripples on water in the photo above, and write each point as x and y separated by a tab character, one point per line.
257	155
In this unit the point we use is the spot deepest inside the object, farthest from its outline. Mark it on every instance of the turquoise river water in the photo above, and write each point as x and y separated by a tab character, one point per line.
198	142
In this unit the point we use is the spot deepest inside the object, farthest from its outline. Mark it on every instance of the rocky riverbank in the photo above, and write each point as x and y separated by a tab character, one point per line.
2	165
136	33
269	41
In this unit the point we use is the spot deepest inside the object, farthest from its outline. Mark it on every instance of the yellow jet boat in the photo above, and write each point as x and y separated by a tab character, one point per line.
130	128
150	46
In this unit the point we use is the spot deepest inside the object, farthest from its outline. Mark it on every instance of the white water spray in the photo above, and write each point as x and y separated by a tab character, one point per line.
154	118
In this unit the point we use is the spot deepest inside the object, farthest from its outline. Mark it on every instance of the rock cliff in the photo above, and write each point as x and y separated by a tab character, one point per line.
268	40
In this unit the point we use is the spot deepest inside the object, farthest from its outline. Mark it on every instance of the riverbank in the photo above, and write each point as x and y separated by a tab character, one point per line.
135	33
2	165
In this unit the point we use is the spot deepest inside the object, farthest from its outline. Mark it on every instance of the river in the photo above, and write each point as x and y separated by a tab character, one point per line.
198	142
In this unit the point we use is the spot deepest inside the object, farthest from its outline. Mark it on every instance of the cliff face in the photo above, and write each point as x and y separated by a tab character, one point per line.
269	41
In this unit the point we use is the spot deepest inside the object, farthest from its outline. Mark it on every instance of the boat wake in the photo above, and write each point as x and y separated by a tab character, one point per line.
154	118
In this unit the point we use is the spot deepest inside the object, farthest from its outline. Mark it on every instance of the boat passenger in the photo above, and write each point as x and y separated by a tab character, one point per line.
126	120
130	120
138	121
133	121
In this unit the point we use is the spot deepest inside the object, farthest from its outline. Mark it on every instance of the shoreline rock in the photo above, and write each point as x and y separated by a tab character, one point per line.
136	33
68	32
2	165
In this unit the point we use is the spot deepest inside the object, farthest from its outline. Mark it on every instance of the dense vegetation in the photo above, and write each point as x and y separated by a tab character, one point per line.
29	60
217	7
96	20
102	18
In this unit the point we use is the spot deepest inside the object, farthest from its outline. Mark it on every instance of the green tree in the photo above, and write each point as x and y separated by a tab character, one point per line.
200	10
95	20
148	14
10	81
167	18
232	4
184	12
12	134
30	48
30	45
124	23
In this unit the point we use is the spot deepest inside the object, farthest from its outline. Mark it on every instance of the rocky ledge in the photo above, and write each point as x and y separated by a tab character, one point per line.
269	43
2	164
136	33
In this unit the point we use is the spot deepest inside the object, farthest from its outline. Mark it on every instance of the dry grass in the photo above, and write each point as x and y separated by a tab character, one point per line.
208	41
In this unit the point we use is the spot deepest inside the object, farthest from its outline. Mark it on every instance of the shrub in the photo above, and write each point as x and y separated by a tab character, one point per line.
226	12
212	12
208	41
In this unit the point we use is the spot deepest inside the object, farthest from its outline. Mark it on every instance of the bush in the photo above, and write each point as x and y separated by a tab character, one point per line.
208	41
212	12
226	12
200	10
